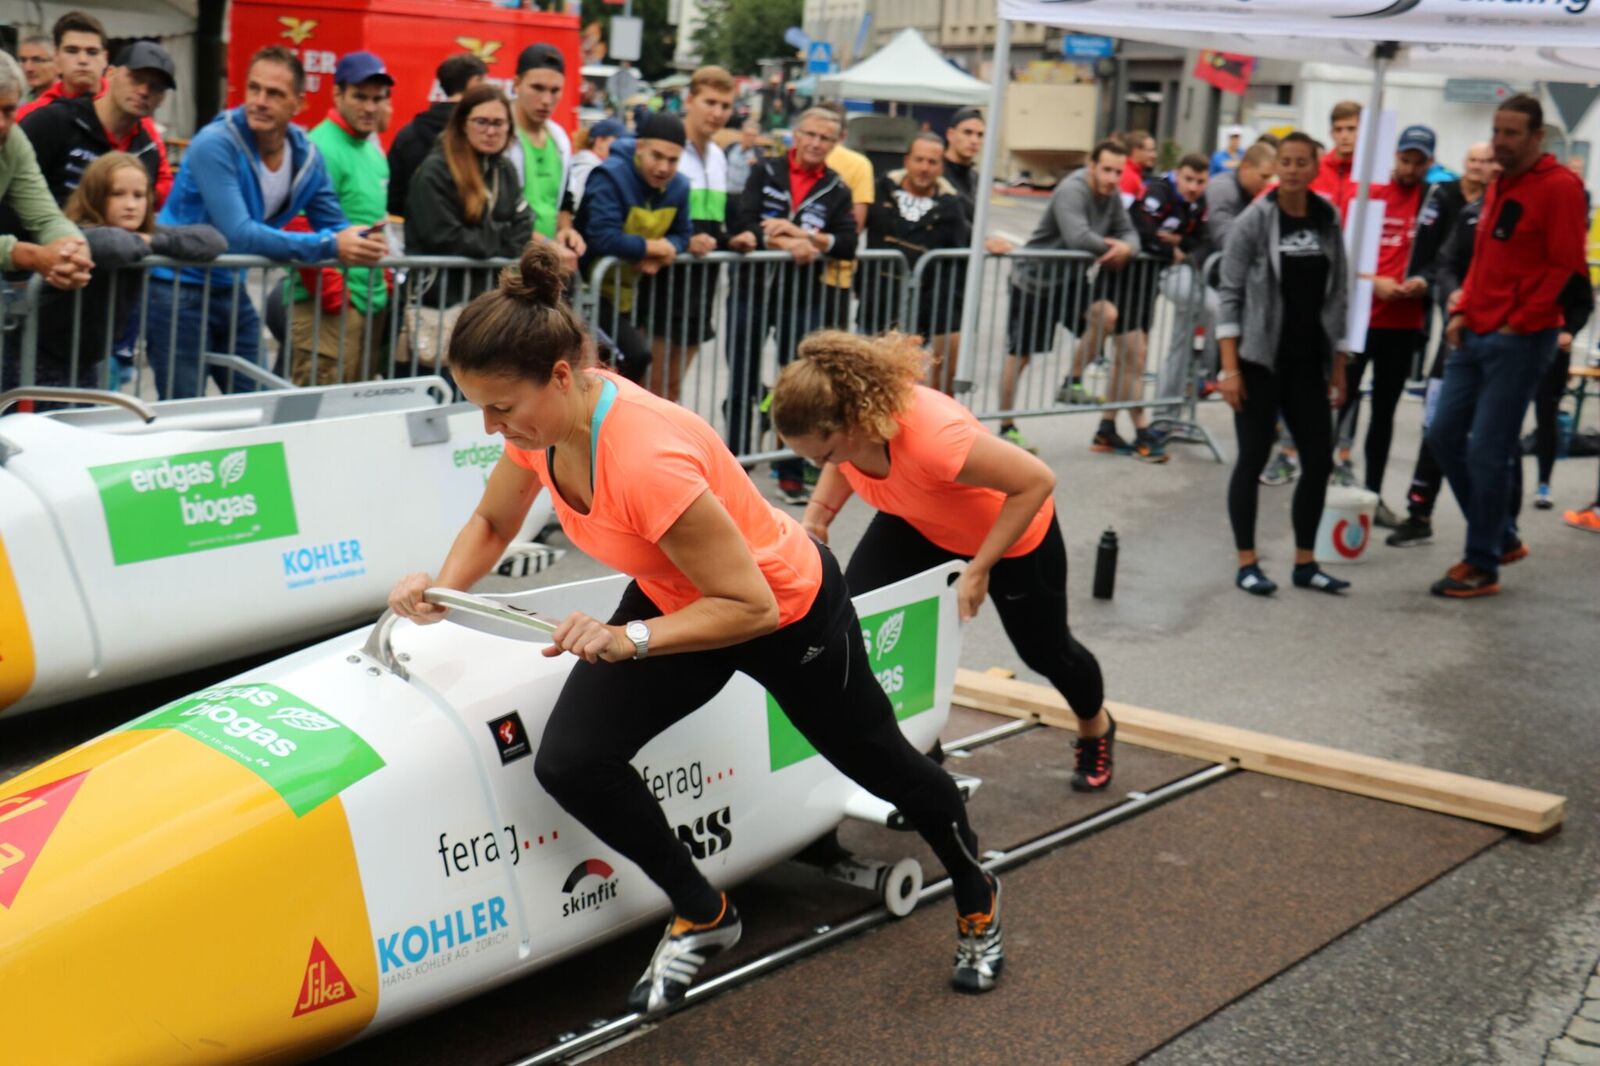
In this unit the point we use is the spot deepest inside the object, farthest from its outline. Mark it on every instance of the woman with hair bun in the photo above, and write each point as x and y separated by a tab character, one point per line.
945	488
722	582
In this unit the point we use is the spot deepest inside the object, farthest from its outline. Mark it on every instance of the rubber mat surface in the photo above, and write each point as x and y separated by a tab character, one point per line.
1194	904
1025	793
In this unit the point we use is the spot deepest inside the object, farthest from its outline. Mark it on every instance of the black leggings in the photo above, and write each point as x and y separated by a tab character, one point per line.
1546	405
1029	594
608	711
1299	389
1391	353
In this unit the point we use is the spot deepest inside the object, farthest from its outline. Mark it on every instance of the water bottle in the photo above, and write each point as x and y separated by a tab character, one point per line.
1105	566
1563	434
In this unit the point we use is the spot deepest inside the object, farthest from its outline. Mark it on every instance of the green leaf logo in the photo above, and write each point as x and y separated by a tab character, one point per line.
231	468
305	719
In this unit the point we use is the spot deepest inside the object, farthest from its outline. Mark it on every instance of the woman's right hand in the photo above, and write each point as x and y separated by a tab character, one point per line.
1232	389
405	599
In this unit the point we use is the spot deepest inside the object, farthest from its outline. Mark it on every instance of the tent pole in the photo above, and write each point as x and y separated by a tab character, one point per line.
999	67
1383	54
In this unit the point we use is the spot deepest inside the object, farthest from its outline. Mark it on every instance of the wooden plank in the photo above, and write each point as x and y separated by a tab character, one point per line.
1511	806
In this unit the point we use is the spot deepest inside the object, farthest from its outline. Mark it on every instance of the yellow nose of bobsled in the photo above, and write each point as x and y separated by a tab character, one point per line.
162	901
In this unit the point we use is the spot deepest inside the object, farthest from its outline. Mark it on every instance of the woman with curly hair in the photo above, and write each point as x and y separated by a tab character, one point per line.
945	488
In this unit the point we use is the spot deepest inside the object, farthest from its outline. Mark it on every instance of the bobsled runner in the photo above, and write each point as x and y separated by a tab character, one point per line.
132	547
353	835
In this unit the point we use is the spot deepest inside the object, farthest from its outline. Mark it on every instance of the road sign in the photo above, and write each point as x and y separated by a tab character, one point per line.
627	35
1085	46
819	58
1476	91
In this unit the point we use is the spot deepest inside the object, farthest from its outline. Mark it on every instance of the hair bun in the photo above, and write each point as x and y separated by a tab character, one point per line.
539	279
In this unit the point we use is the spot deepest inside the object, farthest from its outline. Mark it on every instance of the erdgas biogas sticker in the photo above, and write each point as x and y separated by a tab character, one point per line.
196	501
304	753
480	457
902	645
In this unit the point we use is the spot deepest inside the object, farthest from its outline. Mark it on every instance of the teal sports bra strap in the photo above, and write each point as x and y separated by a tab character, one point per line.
608	396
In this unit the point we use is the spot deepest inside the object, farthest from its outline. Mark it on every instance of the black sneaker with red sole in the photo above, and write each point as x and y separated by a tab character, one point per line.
1465	581
1093	755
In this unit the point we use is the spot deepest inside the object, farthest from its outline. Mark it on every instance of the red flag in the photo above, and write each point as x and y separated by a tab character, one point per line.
1228	71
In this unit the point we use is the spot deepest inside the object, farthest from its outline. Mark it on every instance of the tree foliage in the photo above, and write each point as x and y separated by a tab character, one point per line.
738	34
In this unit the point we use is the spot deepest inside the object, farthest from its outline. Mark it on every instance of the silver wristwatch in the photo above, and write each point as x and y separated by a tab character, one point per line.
639	633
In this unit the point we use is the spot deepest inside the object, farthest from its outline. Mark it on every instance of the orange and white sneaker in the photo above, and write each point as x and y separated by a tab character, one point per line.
683	950
1587	519
980	953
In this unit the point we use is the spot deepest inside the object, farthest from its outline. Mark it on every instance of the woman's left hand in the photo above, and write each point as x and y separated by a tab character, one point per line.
971	591
591	640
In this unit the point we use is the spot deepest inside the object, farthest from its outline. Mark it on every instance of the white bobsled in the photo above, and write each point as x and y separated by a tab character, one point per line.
130	549
353	835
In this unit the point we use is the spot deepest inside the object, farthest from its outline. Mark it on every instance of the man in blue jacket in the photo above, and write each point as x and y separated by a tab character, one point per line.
635	208
248	173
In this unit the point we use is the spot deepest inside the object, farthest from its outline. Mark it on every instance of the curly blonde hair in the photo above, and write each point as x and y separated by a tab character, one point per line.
842	381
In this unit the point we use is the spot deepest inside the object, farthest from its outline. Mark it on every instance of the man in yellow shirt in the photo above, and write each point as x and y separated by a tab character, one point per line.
855	170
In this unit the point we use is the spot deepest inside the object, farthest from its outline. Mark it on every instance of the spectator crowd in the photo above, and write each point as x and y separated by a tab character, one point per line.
1497	255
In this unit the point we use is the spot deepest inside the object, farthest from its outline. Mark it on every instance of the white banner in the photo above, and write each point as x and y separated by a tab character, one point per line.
1555	40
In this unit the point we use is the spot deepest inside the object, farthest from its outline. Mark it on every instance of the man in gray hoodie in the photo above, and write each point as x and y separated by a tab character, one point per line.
1085	215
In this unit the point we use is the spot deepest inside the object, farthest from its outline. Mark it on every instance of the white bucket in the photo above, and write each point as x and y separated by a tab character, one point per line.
1346	527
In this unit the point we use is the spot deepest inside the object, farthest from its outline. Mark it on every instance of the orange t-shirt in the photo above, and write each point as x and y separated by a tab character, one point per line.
651	461
935	438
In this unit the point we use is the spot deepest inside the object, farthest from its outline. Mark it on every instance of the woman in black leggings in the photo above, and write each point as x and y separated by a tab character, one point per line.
945	488
1280	322
723	582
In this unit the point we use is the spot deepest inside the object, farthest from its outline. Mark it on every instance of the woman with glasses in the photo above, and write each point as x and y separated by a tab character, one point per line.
464	200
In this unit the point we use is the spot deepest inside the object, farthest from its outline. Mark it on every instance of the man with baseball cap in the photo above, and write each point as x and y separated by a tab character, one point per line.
1395	331
333	344
73	132
541	151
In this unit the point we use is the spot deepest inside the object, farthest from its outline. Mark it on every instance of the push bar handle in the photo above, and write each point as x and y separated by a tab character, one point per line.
65	395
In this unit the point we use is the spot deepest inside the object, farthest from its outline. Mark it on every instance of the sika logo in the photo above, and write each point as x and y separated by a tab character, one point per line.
26	822
593	897
297	30
510	739
324	983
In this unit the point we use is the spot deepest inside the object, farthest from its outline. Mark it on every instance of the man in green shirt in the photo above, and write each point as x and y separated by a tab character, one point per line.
541	152
60	255
335	345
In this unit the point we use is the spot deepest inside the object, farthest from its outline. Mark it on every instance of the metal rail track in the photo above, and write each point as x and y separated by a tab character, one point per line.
619	1030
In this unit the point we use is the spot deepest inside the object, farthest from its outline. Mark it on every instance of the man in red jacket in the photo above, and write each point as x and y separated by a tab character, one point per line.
1334	181
1504	322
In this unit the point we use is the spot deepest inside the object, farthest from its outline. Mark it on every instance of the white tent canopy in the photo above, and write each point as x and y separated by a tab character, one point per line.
906	69
1554	41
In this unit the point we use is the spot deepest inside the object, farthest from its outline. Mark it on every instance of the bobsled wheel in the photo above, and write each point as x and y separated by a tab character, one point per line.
901	886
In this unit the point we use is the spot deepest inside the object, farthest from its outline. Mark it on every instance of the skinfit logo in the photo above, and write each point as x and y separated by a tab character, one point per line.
589	897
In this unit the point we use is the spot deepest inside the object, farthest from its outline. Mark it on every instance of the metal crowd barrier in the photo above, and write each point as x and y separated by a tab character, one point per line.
711	332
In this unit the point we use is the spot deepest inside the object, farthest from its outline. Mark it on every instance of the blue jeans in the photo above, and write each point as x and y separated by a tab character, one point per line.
1488	384
204	324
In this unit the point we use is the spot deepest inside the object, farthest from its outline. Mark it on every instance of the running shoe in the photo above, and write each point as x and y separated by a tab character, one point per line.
1092	756
1282	470
1312	576
1587	519
1073	394
1109	442
1384	518
1344	474
1515	553
1013	435
980	953
1542	500
1252	580
792	491
1464	581
683	950
1410	533
1148	448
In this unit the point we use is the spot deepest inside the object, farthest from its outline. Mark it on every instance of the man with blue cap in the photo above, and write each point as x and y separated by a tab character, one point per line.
335	346
1396	330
